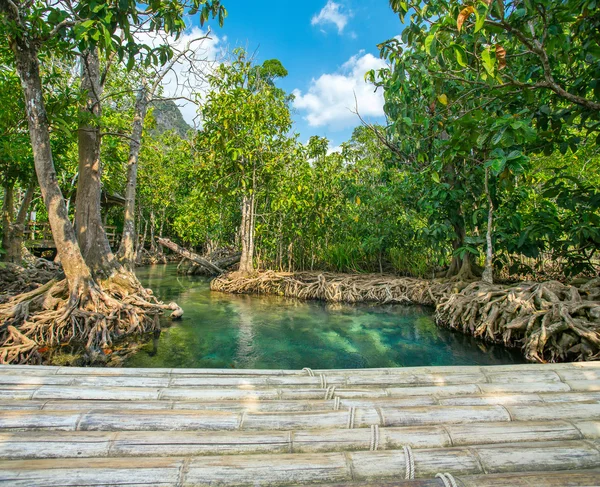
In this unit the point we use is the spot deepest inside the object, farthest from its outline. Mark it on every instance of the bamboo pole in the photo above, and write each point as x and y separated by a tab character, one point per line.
253	405
578	370
581	478
173	420
80	444
247	393
286	469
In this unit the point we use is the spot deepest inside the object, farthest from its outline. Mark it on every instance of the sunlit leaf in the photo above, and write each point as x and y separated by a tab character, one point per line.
488	61
463	15
461	55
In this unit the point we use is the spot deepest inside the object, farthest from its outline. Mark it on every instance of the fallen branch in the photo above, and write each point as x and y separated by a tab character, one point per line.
165	242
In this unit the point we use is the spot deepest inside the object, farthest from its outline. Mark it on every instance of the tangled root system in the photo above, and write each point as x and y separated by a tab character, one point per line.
93	316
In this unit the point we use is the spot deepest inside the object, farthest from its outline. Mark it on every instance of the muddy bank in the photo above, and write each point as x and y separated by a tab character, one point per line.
549	321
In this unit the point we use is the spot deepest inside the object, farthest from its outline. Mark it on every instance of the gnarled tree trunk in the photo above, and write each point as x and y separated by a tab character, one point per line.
91	234
76	270
461	267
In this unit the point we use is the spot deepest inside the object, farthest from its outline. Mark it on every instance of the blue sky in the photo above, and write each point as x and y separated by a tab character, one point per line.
326	46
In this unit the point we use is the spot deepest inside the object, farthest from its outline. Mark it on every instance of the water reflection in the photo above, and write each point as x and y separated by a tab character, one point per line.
222	330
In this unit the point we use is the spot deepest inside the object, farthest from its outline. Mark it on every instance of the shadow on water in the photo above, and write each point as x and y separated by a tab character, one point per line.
268	332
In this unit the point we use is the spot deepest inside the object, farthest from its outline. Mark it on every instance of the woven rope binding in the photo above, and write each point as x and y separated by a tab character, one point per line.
449	480
309	371
409	463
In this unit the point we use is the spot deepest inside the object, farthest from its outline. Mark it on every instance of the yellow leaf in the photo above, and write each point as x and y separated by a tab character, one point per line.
462	16
443	99
356	218
358	200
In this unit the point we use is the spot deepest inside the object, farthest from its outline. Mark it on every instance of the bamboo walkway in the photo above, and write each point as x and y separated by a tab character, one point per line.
522	425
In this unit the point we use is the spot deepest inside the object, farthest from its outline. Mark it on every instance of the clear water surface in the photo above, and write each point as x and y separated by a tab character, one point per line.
269	332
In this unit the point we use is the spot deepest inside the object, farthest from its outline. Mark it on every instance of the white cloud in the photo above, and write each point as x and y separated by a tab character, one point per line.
337	148
331	13
330	100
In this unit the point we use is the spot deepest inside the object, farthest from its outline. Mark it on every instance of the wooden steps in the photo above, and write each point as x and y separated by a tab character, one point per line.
502	425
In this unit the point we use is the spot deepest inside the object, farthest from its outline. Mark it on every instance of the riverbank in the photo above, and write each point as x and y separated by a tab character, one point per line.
549	321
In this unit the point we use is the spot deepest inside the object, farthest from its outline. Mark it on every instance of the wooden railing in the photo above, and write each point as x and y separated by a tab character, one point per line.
38	235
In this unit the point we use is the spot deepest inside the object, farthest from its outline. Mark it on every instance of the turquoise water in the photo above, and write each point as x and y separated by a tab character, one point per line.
268	332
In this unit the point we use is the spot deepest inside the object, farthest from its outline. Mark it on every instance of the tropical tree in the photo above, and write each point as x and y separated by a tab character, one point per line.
89	30
245	124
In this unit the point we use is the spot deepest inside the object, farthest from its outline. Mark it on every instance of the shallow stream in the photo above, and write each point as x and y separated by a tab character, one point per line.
269	332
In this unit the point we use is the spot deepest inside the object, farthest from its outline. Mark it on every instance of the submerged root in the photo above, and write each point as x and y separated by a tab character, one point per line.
550	321
91	315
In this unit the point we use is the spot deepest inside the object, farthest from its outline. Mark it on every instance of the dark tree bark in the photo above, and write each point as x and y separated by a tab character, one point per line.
91	234
462	268
76	270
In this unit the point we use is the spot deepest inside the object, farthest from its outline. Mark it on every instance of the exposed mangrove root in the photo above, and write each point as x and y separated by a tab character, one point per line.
93	316
16	279
550	321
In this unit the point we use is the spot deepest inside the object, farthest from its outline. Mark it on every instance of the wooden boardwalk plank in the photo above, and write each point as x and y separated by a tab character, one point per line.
80	444
93	426
286	469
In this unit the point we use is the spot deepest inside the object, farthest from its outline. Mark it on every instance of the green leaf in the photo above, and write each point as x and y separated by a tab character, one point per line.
480	20
428	43
461	55
435	176
488	61
516	154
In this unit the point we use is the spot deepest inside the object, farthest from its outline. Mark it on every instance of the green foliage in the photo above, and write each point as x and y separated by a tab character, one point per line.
506	93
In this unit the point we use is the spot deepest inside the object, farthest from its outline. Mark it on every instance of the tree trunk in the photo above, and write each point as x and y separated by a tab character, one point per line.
76	271
162	222
247	234
91	234
488	271
16	230
462	268
152	225
142	242
127	251
191	256
8	211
